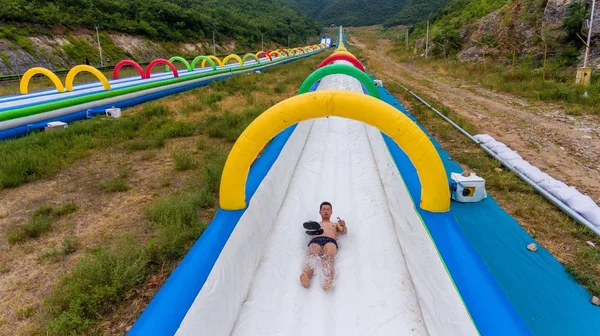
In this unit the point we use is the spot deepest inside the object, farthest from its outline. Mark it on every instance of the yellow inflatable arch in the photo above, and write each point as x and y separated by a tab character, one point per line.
435	193
345	53
275	52
24	84
234	57
79	68
214	58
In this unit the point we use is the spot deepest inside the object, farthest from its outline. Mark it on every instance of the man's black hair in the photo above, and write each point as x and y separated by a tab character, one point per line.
324	203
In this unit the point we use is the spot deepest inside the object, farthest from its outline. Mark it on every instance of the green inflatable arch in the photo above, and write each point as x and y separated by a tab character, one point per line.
180	59
200	58
250	56
340	69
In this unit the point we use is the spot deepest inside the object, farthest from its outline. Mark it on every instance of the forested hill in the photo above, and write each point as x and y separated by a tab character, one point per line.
350	12
415	11
169	20
369	12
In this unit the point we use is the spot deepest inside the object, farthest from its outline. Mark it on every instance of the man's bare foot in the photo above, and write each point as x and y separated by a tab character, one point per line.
305	280
327	284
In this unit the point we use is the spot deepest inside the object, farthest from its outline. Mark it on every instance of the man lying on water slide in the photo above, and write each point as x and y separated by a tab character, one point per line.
323	245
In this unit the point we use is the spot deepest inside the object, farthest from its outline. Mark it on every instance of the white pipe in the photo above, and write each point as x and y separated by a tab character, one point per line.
573	214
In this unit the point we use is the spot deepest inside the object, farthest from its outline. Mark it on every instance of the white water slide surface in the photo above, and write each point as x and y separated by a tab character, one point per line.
389	278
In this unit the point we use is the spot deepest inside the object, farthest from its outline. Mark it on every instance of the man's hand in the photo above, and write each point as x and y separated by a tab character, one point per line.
342	226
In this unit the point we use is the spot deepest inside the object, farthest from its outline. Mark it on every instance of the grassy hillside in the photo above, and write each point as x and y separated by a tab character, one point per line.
171	20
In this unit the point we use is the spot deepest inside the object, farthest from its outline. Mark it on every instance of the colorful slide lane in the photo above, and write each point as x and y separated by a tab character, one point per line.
51	94
22	114
405	267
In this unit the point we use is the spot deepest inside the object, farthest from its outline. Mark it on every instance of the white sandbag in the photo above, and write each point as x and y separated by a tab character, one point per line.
552	184
564	194
592	214
580	202
502	150
484	138
545	178
510	156
495	145
522	166
533	173
519	163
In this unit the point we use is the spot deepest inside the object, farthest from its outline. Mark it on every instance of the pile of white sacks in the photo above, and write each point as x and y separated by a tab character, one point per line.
580	203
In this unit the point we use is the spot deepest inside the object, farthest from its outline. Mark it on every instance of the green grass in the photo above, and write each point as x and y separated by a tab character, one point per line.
145	143
98	281
6	60
43	154
118	183
184	160
229	125
69	245
39	224
201	144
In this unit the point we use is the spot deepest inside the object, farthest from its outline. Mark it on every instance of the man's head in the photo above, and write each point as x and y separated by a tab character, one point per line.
325	210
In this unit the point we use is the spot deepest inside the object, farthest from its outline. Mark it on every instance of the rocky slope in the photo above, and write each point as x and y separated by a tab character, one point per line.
516	26
64	49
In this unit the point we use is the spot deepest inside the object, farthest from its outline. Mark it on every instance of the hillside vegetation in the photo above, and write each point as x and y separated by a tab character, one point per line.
369	12
171	20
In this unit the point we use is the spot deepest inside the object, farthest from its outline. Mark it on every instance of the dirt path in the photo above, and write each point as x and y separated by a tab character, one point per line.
564	146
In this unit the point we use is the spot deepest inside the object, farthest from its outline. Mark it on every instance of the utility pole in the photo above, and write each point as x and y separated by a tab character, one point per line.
99	46
262	42
589	37
214	45
584	73
427	41
407	38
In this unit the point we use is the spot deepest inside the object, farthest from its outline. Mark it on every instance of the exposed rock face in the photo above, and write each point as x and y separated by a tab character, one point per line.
555	12
509	30
61	51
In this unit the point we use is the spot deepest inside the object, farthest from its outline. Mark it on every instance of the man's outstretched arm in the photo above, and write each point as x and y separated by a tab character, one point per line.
342	226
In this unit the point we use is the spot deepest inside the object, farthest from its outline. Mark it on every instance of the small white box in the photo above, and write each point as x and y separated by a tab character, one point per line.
114	112
467	188
53	125
378	82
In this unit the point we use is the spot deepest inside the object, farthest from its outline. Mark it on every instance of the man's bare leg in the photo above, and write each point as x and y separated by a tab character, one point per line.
313	251
329	252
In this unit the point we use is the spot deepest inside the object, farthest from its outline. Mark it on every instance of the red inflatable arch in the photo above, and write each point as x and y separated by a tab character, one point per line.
127	62
283	51
342	57
262	53
161	61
